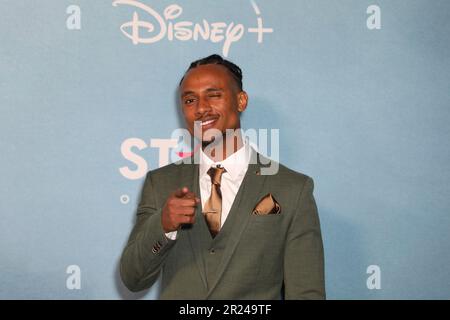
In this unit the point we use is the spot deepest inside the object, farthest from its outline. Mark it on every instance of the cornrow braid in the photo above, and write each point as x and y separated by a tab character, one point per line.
235	71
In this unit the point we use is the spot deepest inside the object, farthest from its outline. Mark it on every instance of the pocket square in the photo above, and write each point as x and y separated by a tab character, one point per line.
267	205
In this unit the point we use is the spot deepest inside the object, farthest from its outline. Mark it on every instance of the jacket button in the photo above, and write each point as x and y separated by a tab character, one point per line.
212	251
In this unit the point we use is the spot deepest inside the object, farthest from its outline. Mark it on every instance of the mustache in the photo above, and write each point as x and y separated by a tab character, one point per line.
207	117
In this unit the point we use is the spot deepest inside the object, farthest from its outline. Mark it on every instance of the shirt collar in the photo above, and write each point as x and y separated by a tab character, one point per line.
236	164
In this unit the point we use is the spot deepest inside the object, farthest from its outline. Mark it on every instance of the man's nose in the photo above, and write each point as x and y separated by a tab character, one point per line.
203	107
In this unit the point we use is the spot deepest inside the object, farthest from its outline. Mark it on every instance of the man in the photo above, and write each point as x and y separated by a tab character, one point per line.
220	228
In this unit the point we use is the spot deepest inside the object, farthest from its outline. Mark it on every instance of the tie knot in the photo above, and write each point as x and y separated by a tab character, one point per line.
216	174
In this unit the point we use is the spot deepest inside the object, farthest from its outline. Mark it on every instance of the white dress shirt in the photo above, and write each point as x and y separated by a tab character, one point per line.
236	166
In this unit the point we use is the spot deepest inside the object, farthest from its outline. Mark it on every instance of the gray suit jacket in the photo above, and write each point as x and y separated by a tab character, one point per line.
253	256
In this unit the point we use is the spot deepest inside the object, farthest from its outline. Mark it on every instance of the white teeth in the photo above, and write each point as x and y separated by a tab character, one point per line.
208	122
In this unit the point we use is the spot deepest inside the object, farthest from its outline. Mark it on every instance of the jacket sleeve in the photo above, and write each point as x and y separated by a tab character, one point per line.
304	258
147	247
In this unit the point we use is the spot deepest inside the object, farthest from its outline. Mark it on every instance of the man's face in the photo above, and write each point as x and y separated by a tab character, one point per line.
210	94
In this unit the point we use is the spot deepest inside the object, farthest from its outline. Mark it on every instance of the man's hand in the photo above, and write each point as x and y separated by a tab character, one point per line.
179	209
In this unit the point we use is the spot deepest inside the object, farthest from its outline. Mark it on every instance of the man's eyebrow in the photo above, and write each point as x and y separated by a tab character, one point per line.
213	89
185	93
188	92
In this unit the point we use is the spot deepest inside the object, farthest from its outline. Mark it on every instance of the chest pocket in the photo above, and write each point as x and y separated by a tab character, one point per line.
266	230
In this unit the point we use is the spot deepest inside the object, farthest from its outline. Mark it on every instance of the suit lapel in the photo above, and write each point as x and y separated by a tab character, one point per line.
190	179
246	198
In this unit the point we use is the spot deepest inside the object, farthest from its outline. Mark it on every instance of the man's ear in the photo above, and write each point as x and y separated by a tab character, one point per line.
242	101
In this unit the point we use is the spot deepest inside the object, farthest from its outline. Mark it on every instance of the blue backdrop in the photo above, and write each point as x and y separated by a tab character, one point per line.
359	90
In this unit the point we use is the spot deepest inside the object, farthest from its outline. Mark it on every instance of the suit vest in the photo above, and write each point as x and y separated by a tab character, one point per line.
212	249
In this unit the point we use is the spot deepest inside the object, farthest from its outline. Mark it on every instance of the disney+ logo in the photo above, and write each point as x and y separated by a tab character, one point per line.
146	32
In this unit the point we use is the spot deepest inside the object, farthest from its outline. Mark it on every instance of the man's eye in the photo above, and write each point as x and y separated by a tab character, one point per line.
215	95
188	101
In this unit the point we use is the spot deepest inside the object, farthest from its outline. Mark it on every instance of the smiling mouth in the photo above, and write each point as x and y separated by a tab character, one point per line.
208	122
